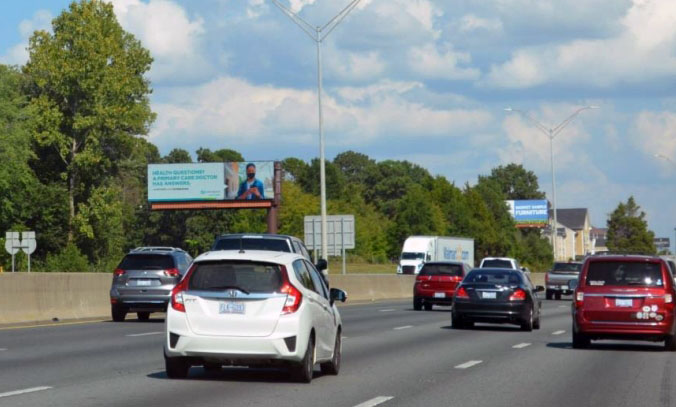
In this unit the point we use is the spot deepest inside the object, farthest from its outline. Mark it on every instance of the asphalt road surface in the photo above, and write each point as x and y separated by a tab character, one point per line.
392	356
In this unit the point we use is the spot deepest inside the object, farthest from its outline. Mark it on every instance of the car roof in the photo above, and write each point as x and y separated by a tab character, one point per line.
499	258
621	257
446	262
256	236
255	255
495	269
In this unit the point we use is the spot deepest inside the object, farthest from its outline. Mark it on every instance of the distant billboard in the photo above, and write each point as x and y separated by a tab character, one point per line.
211	181
662	244
529	213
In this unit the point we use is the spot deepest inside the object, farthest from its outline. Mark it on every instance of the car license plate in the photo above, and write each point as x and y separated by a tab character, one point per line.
624	302
231	308
488	295
439	295
144	282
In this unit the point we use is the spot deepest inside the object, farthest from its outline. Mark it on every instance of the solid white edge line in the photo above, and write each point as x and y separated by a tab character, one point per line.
558	332
468	364
403	327
145	334
375	401
24	391
521	345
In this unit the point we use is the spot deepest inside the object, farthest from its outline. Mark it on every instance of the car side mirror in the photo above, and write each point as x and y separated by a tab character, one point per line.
572	284
336	294
322	265
539	288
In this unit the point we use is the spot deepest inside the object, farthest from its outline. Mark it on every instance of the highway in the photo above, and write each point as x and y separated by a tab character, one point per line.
392	356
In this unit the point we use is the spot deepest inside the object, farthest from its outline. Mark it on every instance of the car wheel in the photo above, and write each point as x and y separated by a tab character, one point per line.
176	368
527	324
548	294
457	322
417	303
306	368
580	341
536	323
333	367
557	295
118	313
143	316
428	307
670	343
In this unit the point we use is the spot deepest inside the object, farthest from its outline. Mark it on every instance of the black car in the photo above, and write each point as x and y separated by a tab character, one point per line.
270	242
496	296
143	280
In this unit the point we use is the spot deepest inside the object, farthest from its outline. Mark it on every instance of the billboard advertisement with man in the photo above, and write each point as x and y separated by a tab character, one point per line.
529	213
211	181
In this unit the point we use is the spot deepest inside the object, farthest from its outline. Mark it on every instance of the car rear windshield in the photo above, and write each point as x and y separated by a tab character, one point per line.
275	245
441	269
567	267
622	273
493	277
147	262
502	264
248	277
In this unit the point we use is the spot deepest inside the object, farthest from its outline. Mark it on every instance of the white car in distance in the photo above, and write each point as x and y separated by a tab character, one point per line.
253	308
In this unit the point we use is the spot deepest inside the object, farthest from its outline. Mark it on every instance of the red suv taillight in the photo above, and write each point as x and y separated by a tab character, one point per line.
171	272
293	295
118	272
518	295
462	293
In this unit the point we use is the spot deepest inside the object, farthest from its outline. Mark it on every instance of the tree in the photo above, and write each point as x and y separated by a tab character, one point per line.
628	229
516	182
177	155
354	166
89	95
205	155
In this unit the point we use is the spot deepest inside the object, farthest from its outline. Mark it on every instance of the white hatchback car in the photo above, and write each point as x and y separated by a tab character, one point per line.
253	308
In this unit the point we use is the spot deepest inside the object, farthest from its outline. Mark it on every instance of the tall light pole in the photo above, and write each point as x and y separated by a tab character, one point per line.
319	34
552	132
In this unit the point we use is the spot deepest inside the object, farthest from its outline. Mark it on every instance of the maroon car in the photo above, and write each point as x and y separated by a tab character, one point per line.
436	282
624	297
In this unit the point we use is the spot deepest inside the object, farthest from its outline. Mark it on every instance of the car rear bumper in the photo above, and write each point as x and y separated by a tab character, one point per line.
647	330
133	303
495	312
288	342
434	296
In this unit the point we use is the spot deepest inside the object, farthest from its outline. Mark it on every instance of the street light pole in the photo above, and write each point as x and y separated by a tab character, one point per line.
552	132
319	34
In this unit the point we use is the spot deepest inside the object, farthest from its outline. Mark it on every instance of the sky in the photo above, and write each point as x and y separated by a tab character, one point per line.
421	80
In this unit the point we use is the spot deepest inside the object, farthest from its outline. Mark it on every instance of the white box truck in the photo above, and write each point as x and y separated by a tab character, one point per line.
418	250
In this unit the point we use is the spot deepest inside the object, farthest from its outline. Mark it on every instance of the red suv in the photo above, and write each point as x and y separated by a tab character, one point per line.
436	283
624	297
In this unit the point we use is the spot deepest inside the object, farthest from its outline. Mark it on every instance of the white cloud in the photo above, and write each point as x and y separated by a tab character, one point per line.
430	63
470	22
173	38
18	53
641	52
253	114
655	133
357	66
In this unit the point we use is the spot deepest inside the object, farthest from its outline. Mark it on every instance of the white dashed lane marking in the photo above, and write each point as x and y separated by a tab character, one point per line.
24	391
145	334
521	345
387	310
558	332
403	327
3	349
374	401
468	364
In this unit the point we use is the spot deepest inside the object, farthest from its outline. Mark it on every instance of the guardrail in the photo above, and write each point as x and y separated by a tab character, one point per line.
38	297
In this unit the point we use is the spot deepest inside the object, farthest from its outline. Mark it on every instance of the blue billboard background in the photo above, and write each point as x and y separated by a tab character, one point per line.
529	213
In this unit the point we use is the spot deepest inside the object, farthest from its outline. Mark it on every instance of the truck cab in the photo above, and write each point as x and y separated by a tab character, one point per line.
414	254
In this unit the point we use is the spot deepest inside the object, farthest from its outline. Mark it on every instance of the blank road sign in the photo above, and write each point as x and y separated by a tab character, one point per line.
340	231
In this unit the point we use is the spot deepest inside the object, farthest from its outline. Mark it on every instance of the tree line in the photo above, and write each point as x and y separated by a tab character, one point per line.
73	161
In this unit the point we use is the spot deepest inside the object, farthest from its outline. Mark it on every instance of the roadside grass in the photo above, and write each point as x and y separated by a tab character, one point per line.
336	267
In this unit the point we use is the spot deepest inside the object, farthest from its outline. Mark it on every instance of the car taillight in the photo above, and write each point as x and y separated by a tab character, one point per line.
456	279
171	272
462	293
177	301
118	272
668	299
293	295
518	295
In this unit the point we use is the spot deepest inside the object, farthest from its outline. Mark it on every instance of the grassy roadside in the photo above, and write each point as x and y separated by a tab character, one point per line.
336	267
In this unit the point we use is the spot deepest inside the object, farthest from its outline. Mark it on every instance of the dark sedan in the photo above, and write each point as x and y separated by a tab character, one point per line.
496	296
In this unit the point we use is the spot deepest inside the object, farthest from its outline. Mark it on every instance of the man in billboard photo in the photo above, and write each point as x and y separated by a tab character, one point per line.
251	188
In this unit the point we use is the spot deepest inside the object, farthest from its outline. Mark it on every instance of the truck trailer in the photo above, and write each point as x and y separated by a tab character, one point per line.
418	250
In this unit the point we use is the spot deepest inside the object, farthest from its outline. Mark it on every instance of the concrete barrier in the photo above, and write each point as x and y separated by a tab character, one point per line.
39	297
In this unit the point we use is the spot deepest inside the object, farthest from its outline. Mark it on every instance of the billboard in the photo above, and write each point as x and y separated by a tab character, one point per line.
529	213
211	181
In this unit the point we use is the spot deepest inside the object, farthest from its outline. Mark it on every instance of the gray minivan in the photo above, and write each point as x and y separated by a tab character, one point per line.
143	281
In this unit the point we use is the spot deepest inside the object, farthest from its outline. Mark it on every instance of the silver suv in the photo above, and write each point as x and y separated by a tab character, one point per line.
143	281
